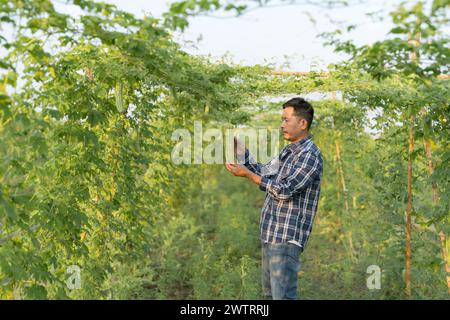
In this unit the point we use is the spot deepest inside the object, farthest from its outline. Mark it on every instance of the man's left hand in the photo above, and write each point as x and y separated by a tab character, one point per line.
238	170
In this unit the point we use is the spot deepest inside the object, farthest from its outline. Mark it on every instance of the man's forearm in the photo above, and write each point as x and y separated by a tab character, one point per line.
253	177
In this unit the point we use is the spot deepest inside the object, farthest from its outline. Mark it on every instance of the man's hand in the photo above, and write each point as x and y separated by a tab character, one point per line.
241	171
237	169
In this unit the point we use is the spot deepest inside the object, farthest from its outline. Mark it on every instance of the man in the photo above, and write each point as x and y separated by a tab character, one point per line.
292	186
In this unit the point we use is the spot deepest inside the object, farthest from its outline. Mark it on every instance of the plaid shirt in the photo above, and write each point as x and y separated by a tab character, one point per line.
292	185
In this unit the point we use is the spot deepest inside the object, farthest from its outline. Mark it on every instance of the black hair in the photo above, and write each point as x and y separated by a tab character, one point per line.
302	109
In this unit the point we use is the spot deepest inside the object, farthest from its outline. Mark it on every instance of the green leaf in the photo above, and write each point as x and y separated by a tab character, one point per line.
36	292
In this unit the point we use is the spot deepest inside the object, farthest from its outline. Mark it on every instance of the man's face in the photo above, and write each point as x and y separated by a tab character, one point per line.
293	127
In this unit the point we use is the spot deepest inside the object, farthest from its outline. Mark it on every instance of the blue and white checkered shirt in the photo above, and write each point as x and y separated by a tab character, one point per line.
292	185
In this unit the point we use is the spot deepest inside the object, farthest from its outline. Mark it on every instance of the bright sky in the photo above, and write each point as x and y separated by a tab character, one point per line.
269	35
272	35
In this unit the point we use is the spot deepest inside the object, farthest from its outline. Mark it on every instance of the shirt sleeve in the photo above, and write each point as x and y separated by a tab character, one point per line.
251	164
299	177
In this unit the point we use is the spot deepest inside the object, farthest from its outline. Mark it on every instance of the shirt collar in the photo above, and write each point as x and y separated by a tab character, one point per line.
299	144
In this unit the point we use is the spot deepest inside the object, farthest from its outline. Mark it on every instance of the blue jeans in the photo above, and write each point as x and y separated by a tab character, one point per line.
280	266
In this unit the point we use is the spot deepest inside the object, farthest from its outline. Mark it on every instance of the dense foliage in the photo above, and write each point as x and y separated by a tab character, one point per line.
88	105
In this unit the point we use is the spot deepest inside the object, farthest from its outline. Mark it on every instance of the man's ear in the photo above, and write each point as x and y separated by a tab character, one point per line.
303	124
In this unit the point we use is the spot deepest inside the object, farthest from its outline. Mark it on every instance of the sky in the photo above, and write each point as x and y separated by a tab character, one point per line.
283	36
286	37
